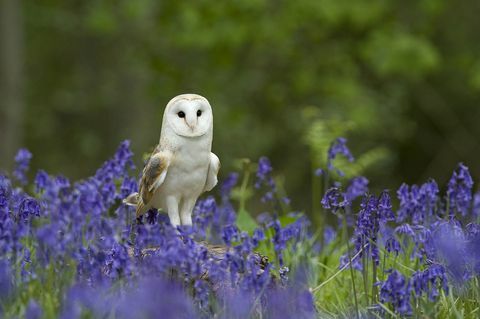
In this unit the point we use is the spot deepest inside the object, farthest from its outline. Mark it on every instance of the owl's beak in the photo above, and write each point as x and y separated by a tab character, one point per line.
191	122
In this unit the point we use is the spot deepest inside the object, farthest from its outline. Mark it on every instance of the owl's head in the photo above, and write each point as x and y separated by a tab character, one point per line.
189	115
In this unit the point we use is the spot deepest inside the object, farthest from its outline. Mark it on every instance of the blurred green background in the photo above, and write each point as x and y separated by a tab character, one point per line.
400	79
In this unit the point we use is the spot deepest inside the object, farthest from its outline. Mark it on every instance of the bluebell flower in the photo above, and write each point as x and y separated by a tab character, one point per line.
339	146
451	246
152	216
392	245
476	206
385	211
22	163
90	198
358	187
459	191
290	303
264	177
268	197
5	194
264	173
228	185
396	291
334	200
123	156
429	192
29	207
329	234
129	186
405	229
473	246
6	279
41	181
264	218
367	227
258	236
429	281
230	234
238	304
108	192
33	310
417	204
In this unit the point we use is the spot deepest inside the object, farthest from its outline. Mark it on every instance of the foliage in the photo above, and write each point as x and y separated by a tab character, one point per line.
72	250
404	73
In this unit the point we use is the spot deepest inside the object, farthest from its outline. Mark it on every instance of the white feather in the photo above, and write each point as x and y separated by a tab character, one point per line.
188	136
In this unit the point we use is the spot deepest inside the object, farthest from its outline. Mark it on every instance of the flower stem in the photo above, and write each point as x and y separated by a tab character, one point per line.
344	220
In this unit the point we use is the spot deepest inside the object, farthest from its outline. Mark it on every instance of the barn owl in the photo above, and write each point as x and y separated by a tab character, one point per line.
182	165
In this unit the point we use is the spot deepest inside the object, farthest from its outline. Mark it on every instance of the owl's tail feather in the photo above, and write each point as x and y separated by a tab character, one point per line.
132	200
140	208
135	200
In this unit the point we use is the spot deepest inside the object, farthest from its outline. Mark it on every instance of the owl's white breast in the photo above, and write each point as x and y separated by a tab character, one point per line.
188	170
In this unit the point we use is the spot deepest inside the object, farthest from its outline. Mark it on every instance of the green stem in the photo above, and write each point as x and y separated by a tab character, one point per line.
317	193
383	265
243	188
374	278
365	275
344	220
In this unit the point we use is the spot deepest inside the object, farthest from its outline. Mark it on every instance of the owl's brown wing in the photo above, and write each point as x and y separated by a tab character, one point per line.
154	174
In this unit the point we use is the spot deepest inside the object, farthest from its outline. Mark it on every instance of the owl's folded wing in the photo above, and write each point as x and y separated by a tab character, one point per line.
213	169
154	174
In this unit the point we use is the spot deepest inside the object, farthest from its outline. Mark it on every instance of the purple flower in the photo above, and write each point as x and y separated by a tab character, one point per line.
118	166
29	207
263	172
230	234
339	146
392	245
293	232
334	200
459	191
264	177
290	303
385	211
396	291
358	187
451	249
476	206
417	203
5	194
228	185
129	186
22	163
123	156
33	311
473	246
6	280
429	281
329	234
367	228
356	262
41	181
405	229
258	236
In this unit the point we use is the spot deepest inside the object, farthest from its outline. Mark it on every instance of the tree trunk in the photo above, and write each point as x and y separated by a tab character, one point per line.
11	80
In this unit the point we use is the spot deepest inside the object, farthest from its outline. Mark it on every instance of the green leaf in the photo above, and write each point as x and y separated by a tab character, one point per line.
246	222
286	220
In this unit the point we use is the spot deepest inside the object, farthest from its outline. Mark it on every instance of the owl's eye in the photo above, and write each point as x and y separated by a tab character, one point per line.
181	114
199	113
